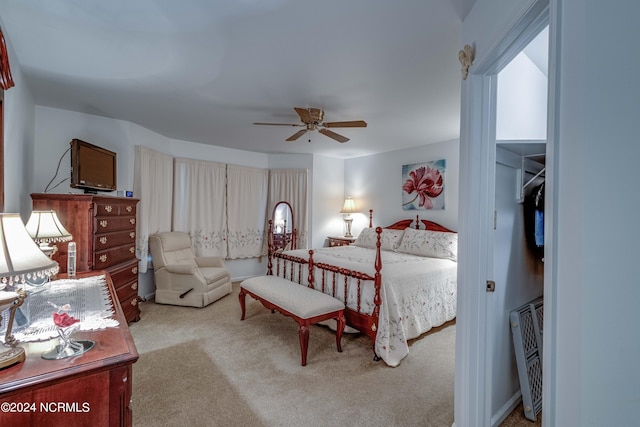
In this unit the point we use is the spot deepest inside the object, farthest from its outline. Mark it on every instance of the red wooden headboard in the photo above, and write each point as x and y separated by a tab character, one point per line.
406	223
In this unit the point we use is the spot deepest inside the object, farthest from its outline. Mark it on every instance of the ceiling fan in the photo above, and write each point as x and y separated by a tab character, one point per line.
312	119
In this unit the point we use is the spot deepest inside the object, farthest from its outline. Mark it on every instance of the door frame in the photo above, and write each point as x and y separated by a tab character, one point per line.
475	218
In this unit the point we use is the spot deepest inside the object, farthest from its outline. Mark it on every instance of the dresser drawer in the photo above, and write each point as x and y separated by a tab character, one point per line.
110	240
108	257
106	209
127	290
114	209
123	273
131	309
107	224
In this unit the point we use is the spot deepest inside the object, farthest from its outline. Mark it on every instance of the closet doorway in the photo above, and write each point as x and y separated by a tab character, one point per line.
518	266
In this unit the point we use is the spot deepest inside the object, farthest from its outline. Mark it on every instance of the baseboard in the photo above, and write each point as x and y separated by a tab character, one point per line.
150	296
506	409
241	278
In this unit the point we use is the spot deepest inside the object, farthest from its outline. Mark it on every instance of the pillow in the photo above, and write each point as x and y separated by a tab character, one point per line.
389	239
434	244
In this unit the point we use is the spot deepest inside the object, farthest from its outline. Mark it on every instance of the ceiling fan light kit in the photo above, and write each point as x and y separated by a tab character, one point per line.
312	119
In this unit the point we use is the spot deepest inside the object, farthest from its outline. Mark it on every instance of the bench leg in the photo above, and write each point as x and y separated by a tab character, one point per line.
341	322
303	333
241	297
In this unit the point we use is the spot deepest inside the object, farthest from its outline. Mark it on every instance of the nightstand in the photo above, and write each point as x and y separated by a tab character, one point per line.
340	241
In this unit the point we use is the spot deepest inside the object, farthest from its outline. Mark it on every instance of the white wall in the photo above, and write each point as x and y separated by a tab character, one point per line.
595	347
328	198
55	128
521	101
375	182
18	124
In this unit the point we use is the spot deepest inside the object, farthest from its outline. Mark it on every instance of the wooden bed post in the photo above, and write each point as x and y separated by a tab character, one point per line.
377	299
370	218
270	251
310	265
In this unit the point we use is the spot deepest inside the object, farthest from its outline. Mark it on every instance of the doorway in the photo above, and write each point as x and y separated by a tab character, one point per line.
475	368
517	267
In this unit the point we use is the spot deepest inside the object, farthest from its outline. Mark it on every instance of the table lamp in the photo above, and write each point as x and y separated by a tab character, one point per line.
45	228
21	261
348	209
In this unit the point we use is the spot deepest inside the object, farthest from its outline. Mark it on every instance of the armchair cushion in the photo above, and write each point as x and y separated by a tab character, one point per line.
182	268
209	261
181	278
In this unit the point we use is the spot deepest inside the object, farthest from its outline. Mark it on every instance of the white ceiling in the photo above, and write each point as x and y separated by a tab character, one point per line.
205	70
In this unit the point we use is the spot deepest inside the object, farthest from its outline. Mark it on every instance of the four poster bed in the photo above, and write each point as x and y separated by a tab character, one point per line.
397	282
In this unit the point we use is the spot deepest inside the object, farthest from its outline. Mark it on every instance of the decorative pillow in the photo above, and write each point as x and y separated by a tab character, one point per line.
389	239
435	244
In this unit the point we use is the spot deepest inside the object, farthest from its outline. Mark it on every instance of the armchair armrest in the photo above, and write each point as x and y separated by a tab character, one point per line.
210	261
181	268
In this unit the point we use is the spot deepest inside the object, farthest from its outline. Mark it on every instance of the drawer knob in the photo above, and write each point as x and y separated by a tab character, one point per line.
132	234
103	240
129	208
108	208
132	221
134	302
103	258
134	270
103	223
134	286
132	249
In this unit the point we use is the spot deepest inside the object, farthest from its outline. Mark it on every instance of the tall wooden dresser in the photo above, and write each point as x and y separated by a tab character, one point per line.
104	229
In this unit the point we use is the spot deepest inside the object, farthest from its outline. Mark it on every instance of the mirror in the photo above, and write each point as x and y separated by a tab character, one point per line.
283	229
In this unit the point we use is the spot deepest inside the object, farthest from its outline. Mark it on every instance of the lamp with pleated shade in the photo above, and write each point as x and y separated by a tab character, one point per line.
21	261
45	228
348	208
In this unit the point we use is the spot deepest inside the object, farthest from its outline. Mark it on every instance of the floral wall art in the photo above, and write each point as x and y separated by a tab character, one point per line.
423	185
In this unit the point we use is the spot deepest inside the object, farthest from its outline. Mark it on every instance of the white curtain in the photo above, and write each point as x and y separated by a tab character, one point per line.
152	184
199	204
246	210
290	185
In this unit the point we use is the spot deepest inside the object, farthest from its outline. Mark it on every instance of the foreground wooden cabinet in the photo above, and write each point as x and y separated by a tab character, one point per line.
104	229
92	389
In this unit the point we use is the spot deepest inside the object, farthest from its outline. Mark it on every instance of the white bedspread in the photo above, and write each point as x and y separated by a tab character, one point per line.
418	293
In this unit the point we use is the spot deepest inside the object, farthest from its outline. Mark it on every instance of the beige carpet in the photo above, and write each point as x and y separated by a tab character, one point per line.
205	367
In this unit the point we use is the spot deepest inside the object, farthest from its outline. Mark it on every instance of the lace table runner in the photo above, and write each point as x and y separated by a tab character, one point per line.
89	300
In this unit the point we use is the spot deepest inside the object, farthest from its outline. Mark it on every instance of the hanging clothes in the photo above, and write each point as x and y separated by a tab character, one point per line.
539	216
533	211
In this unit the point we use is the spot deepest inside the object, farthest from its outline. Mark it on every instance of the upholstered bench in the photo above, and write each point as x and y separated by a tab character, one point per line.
306	306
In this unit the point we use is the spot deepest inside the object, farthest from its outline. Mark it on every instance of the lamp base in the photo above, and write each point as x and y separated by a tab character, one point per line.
11	357
348	221
74	348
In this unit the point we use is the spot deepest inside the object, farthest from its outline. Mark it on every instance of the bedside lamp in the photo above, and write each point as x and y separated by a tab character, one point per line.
21	261
348	208
45	228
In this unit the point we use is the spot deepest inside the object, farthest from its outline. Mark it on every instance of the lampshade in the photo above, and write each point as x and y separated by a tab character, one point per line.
349	206
20	259
44	226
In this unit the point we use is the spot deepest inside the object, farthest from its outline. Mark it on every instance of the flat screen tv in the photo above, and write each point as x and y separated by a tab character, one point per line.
93	168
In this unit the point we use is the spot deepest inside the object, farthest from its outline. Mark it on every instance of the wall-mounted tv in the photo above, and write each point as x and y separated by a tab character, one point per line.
93	168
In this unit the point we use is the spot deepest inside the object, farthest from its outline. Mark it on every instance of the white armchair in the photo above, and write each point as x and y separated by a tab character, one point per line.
181	277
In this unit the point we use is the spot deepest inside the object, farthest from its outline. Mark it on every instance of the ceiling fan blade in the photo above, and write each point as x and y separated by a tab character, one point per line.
279	124
351	124
332	134
304	114
296	135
